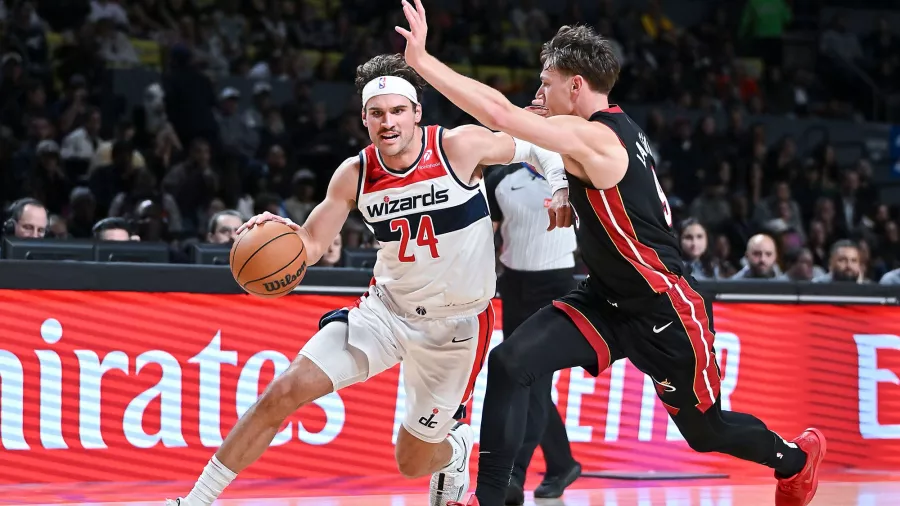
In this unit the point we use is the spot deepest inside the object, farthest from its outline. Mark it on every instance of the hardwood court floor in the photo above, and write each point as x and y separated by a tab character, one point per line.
838	489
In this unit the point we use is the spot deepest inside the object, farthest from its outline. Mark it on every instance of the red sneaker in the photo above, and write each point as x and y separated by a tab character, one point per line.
798	490
473	501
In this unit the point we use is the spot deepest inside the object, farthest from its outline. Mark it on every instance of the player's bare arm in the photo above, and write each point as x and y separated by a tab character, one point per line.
602	159
327	218
472	147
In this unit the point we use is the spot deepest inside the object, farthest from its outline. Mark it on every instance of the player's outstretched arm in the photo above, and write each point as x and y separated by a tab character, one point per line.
325	221
567	135
477	146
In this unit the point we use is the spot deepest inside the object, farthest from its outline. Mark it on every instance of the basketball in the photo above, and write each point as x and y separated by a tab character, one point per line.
268	260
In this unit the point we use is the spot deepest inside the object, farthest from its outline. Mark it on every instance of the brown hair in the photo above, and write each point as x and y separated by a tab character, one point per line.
388	65
578	50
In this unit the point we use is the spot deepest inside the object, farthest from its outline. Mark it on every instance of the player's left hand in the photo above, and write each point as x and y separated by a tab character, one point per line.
537	107
560	211
415	36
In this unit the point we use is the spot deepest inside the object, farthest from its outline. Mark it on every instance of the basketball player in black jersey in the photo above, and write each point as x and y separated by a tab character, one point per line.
637	303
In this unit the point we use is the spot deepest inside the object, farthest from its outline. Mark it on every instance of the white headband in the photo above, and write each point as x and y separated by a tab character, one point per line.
389	85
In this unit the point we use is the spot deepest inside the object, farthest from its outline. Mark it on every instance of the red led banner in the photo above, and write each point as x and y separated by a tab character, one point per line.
116	386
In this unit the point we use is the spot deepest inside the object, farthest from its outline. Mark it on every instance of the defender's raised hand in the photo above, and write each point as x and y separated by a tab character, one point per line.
415	36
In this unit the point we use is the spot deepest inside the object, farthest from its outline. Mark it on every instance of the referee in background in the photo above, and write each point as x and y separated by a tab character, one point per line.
537	267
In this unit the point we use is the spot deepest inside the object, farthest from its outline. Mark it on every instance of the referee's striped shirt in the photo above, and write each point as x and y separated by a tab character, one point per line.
518	198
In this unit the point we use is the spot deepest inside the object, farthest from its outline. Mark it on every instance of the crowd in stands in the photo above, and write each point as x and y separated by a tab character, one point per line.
189	164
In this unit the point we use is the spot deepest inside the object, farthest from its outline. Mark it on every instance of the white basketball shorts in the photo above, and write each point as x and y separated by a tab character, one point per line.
441	356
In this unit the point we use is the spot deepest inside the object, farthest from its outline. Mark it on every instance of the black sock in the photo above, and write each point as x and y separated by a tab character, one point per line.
493	479
789	459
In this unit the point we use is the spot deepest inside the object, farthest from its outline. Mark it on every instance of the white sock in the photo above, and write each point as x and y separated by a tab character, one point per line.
458	453
211	483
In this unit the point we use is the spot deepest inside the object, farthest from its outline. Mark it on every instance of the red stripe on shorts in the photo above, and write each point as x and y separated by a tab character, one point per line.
691	310
485	331
589	332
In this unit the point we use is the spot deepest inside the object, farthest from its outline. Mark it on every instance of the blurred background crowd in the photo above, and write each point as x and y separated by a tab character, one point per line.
230	122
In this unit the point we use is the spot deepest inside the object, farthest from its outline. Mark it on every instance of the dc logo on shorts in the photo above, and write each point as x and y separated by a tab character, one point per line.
430	421
421	311
382	82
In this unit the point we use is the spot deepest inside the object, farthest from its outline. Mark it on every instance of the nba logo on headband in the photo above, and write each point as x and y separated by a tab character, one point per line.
389	85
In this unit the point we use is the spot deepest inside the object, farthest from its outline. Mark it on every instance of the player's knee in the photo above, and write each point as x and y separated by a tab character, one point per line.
502	361
507	361
280	399
702	441
297	386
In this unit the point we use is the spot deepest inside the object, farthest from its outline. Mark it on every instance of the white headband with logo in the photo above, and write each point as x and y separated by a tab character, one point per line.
389	85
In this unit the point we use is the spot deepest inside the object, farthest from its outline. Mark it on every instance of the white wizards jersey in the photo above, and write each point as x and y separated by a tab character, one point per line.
437	240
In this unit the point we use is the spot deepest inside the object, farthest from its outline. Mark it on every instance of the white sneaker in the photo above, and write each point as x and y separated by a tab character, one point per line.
174	502
452	484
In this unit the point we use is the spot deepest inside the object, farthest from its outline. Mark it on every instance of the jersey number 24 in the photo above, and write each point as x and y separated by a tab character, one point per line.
424	237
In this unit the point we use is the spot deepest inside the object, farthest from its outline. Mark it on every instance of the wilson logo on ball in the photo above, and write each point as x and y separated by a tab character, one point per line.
287	280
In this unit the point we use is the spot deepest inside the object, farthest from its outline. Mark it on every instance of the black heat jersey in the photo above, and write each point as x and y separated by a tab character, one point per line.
625	232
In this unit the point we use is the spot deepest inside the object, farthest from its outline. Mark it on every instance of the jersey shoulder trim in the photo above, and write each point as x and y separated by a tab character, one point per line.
440	149
362	175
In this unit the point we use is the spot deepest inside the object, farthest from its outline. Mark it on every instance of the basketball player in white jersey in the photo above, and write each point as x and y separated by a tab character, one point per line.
419	189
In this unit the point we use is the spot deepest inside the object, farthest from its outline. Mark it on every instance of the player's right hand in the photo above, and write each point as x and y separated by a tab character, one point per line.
264	217
559	210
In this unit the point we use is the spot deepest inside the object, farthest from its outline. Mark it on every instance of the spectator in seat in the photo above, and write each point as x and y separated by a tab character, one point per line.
27	219
73	107
82	212
58	228
113	229
193	183
15	115
145	188
844	264
151	222
223	227
108	181
302	200
25	35
114	46
105	9
236	137
800	266
254	116
850	208
771	207
14	78
891	278
695	250
125	131
761	259
712	207
79	147
48	182
333	256
276	174
888	250
39	129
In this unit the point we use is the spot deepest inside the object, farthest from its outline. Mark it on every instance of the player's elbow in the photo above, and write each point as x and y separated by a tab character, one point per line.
497	117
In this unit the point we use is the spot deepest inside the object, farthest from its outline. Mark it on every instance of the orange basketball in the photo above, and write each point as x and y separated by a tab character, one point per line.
268	260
